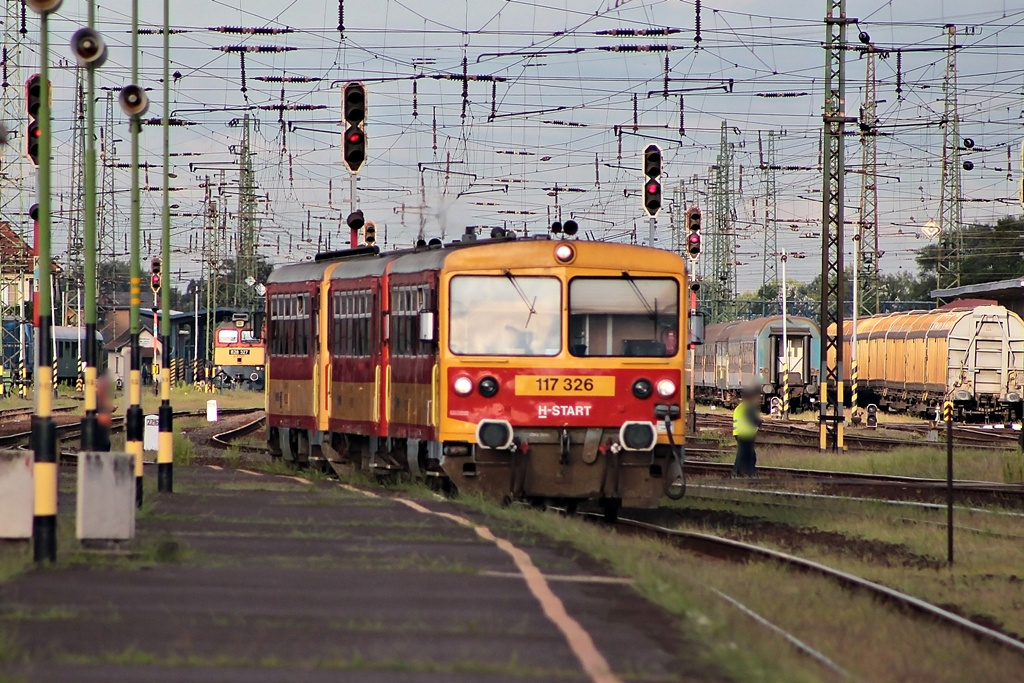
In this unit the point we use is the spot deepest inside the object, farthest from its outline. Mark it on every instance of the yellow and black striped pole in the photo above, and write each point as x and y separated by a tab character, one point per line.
165	451
853	390
44	431
134	417
3	389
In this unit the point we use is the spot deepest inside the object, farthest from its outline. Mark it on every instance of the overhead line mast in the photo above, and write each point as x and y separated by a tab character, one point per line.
950	252
831	415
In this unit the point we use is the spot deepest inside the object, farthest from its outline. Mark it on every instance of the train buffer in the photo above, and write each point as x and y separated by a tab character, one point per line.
252	576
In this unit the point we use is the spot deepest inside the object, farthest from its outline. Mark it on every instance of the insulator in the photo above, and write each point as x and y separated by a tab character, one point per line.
244	89
636	115
664	92
899	75
341	17
415	101
465	86
254	48
251	30
682	117
696	24
494	98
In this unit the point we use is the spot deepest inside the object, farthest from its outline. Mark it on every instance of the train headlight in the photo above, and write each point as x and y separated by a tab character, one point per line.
488	387
637	436
495	434
463	386
565	253
768	389
666	388
642	388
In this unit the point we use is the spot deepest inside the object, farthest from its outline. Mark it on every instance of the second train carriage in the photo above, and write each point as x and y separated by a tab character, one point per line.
745	353
914	361
238	356
524	368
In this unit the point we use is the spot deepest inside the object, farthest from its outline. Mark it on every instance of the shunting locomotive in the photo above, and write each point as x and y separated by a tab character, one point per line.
528	369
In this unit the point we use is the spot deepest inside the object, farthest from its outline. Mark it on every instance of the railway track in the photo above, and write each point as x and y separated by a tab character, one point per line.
805	434
223	440
27	411
738	551
888	486
73	429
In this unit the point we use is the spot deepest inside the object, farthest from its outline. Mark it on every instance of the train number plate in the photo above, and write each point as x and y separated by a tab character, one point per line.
564	385
238	352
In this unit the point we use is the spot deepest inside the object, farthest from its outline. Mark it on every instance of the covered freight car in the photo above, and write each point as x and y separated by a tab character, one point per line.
914	361
747	353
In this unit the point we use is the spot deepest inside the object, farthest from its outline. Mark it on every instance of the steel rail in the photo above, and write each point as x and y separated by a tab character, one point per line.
729	549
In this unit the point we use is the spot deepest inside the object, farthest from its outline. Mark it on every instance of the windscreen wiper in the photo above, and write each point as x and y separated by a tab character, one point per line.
652	312
522	295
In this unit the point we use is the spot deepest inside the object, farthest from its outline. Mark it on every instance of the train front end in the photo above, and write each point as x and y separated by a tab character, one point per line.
560	372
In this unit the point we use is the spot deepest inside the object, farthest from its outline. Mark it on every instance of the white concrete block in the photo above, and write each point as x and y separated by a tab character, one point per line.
211	410
106	496
17	492
151	433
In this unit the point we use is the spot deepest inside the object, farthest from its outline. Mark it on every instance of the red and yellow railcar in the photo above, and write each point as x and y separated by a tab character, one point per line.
531	368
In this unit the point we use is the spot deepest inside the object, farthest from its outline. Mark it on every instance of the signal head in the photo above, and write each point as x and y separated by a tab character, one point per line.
133	100
652	197
353	103
556	228
652	161
370	234
354	149
968	165
570	227
355	220
693	244
88	47
33	212
33	91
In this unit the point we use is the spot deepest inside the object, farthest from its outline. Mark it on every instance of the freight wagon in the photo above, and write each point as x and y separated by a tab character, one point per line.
916	360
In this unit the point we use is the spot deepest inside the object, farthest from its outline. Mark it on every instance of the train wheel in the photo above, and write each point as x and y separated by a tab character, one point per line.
570	506
610	509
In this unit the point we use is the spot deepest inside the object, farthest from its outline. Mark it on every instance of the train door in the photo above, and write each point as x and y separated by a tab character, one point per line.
355	356
412	360
797	357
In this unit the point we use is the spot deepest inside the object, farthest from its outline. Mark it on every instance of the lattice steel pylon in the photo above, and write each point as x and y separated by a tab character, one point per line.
950	252
679	230
867	254
834	119
721	280
769	269
245	265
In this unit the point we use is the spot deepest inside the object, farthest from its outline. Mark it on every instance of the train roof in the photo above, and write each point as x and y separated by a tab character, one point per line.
68	333
751	329
479	254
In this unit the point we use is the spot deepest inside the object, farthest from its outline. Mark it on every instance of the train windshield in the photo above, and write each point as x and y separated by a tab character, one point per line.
623	316
505	315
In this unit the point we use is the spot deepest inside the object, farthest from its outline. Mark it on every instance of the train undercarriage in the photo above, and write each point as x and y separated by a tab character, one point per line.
547	466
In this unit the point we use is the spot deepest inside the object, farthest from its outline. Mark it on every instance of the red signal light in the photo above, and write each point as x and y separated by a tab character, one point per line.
652	188
694	238
354	137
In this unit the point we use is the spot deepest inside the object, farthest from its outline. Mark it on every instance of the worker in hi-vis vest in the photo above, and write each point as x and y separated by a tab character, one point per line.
745	421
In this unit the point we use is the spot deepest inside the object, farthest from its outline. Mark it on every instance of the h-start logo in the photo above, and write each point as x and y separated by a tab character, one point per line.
546	411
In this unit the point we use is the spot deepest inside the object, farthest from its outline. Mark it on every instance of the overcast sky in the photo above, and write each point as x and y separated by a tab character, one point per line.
494	159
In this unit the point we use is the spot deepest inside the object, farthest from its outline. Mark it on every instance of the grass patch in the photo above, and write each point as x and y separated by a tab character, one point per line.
907	461
184	451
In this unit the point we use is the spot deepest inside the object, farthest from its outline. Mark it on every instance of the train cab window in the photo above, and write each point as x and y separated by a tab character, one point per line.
623	316
505	315
227	336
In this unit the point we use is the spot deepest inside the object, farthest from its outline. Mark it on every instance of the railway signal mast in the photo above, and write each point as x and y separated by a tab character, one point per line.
353	144
652	186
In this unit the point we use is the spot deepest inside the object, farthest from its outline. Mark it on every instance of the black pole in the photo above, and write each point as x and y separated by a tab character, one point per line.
948	415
